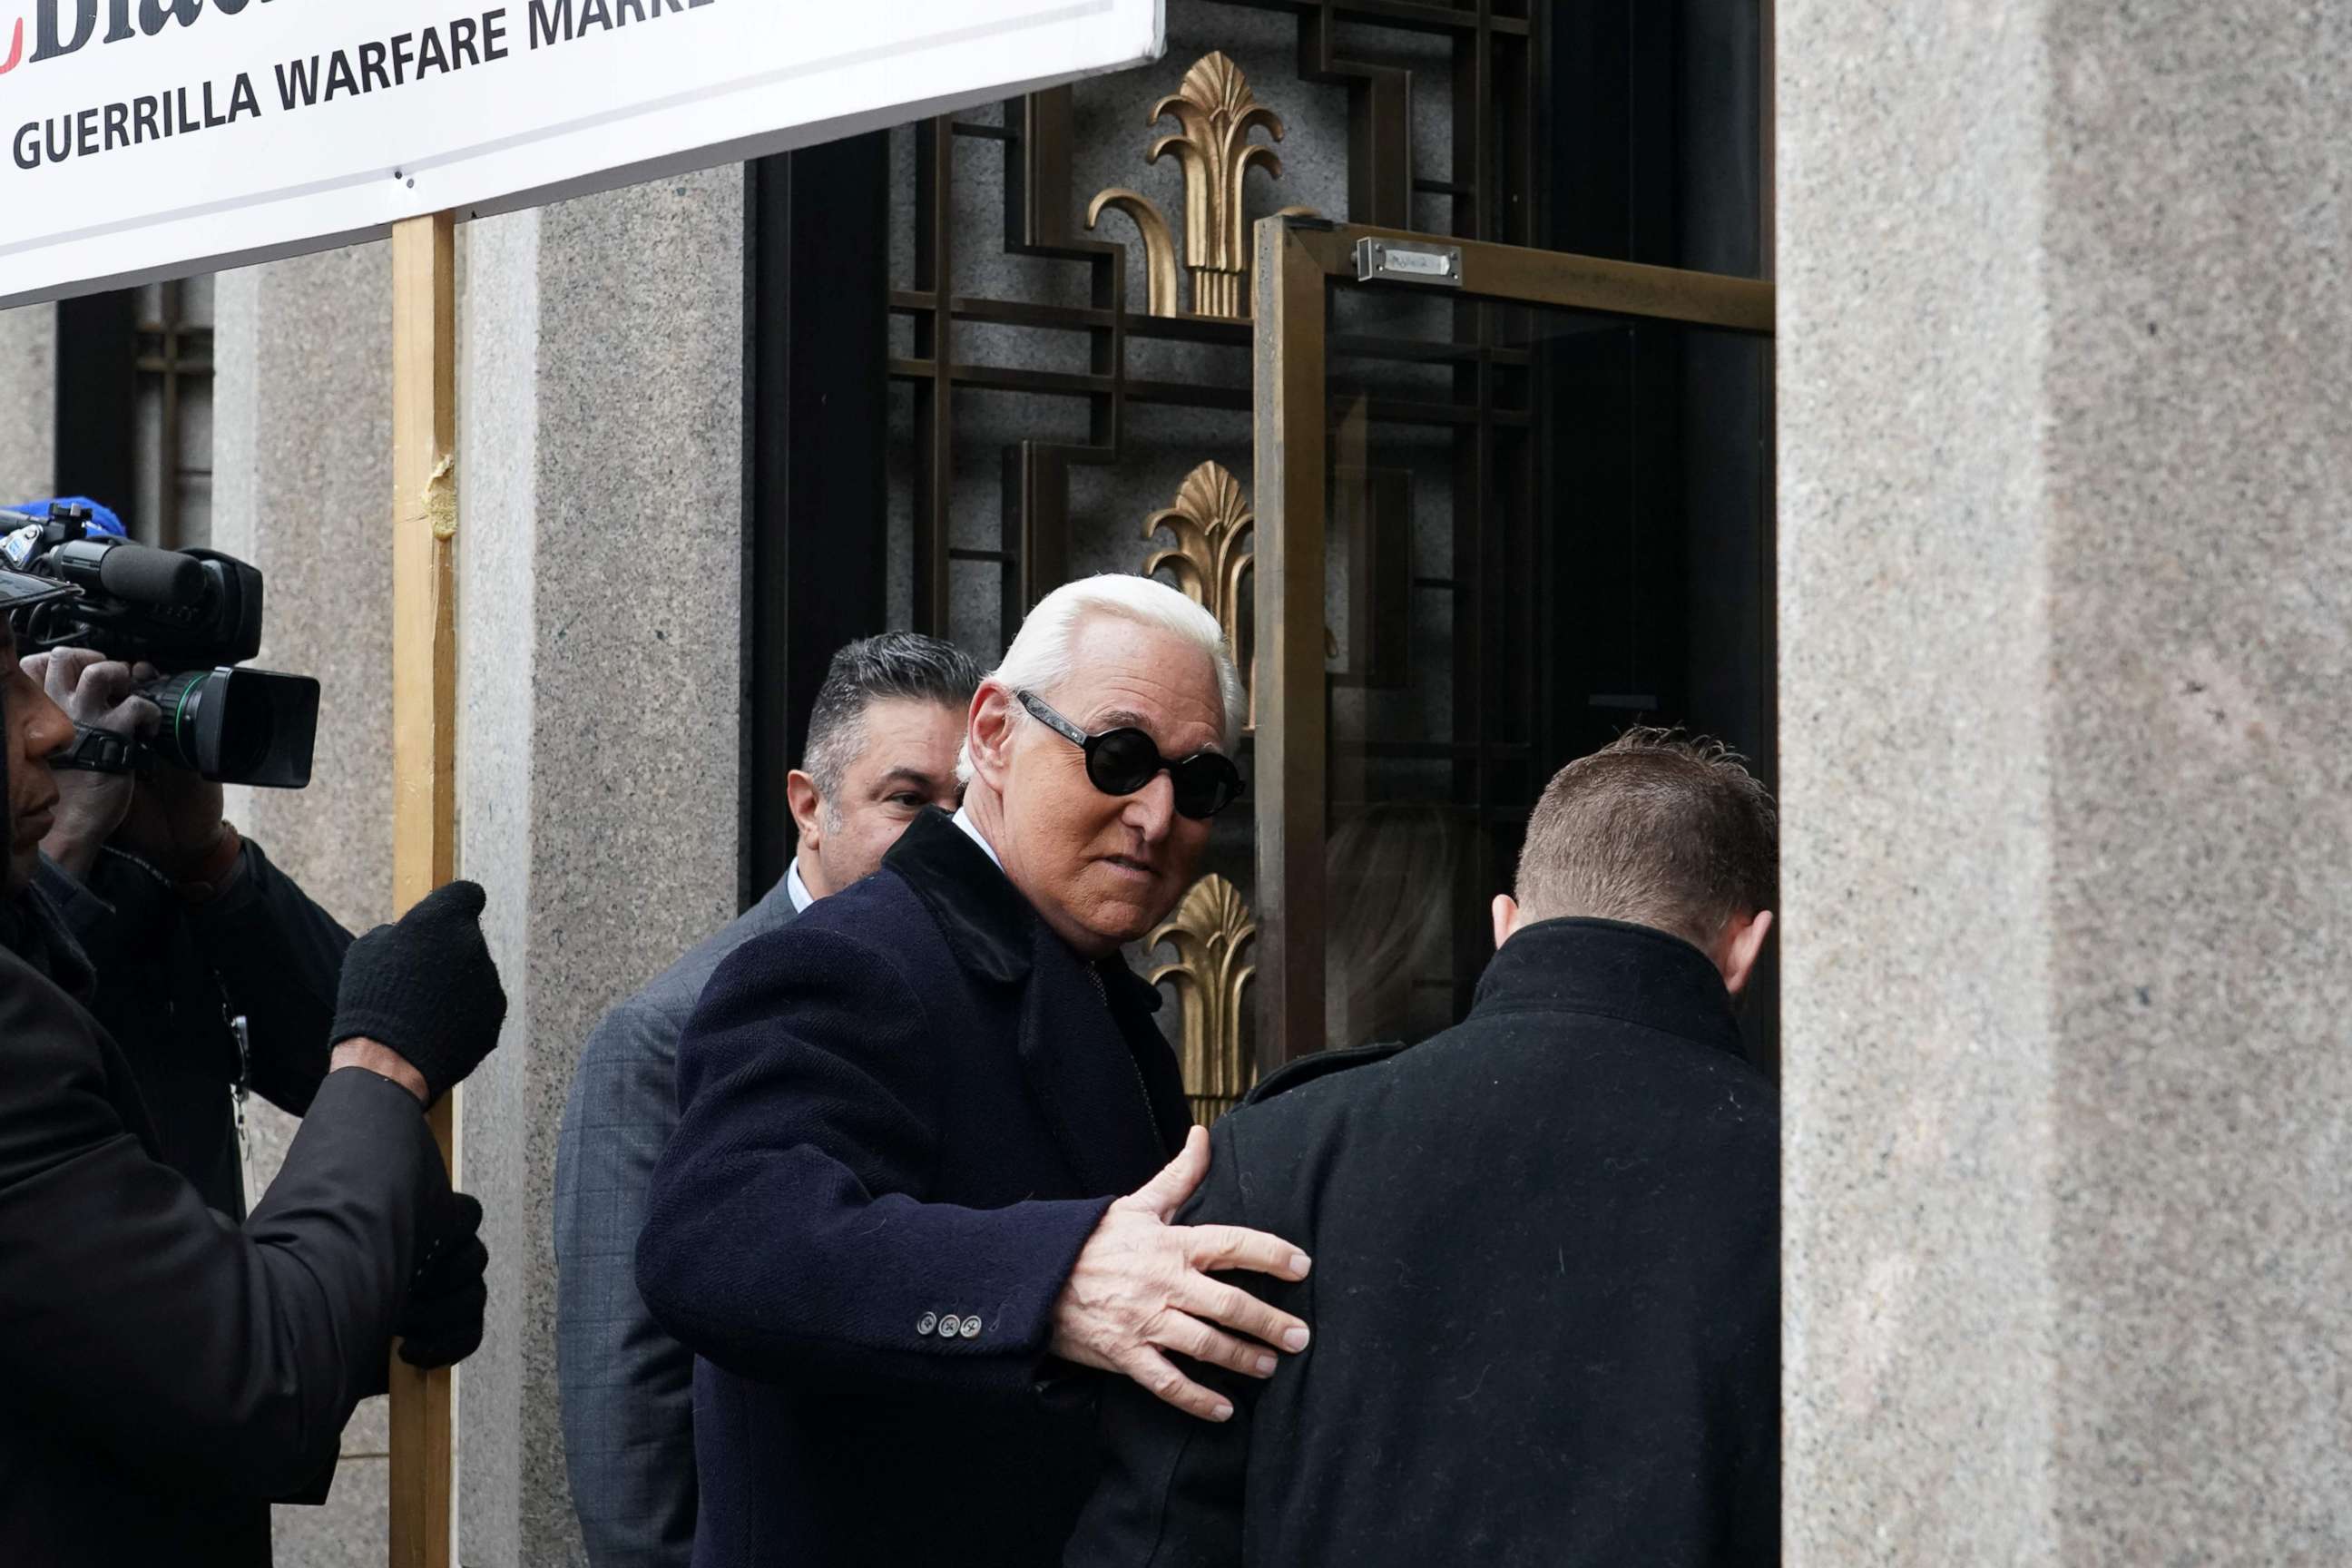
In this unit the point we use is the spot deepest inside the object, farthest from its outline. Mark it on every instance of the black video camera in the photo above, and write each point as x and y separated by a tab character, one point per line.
192	614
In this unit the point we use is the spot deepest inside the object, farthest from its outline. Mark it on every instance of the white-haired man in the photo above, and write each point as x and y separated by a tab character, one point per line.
889	1224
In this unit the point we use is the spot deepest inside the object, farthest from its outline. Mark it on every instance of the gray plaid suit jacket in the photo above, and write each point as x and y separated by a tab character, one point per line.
626	1387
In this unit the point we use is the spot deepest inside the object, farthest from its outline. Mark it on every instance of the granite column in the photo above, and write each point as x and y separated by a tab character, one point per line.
600	572
2065	601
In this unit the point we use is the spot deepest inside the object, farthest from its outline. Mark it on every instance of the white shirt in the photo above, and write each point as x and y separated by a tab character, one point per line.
971	830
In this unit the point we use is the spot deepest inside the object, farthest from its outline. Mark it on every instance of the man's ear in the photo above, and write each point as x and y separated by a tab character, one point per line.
808	808
1505	911
990	732
1741	946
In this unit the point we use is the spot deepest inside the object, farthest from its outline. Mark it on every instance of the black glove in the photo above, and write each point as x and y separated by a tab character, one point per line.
443	1324
427	989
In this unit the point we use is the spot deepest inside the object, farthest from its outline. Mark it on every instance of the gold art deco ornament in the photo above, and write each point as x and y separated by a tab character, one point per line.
1211	932
1216	113
1212	523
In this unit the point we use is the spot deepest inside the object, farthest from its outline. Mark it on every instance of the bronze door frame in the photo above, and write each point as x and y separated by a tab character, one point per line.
1299	262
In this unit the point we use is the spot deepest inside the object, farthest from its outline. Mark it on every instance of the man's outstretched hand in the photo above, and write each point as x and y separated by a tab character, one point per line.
1141	1290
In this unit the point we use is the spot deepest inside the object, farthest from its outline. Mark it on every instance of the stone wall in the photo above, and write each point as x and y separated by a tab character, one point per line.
600	632
29	392
2063	632
600	410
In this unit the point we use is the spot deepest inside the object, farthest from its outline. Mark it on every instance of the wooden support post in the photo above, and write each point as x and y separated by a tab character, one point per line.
424	759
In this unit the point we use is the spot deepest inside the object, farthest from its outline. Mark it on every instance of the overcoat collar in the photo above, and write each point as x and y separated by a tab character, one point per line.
1632	972
984	918
991	927
1086	1036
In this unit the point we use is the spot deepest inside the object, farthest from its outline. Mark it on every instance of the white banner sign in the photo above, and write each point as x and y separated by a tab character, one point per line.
152	138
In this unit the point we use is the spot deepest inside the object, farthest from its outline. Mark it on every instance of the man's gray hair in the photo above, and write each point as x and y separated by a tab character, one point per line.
1042	654
895	665
1655	830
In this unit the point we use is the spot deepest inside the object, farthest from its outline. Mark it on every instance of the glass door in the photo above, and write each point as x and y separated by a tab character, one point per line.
1509	502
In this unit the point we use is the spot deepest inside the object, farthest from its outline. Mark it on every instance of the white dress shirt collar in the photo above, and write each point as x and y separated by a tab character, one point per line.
971	829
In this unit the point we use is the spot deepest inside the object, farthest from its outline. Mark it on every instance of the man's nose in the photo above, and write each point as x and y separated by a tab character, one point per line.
1151	810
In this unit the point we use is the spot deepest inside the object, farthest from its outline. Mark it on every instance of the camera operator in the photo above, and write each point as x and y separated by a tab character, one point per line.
215	972
163	1370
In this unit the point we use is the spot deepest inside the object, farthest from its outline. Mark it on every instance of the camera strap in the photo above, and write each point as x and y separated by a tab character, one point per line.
97	750
238	1094
240	1029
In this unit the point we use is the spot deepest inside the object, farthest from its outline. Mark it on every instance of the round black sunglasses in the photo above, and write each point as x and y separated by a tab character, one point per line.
1122	761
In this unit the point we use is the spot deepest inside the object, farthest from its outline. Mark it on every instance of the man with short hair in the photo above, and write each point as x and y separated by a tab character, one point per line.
889	1224
1546	1298
882	743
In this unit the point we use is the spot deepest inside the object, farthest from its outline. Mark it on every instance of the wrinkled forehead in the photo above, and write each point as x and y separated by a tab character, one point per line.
1173	698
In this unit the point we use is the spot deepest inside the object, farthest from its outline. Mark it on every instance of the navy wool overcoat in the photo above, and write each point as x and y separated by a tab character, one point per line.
901	1117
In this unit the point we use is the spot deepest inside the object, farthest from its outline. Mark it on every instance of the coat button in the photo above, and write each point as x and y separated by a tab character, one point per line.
948	1327
971	1326
927	1322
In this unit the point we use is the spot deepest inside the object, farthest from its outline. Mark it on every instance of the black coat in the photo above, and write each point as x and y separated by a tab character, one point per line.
170	976
1545	1297
164	1372
900	1118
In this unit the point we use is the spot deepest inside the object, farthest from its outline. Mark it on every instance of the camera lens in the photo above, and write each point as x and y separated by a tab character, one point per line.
195	707
237	726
